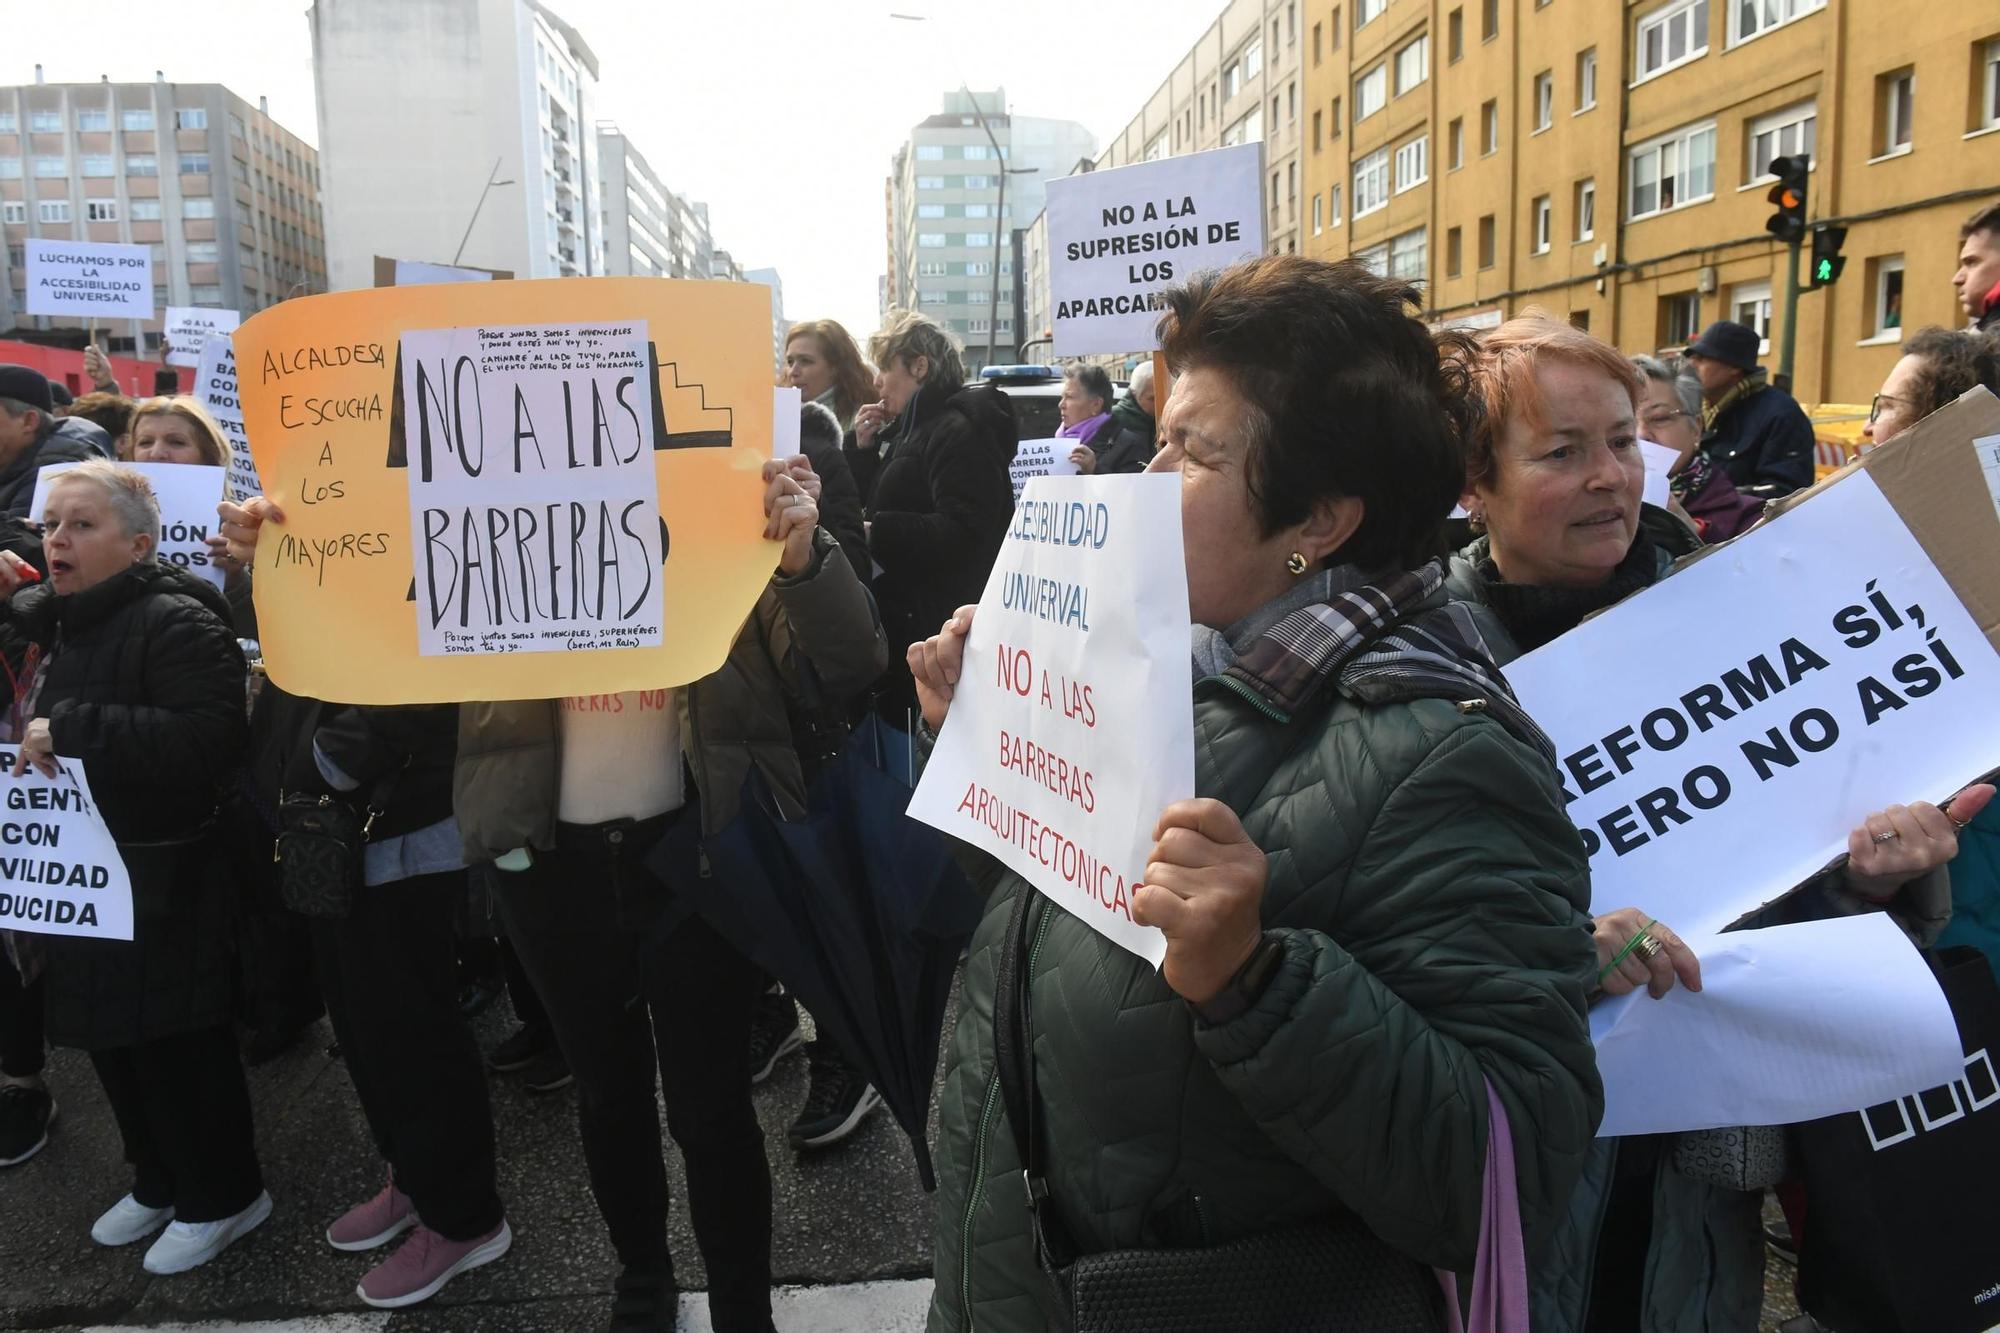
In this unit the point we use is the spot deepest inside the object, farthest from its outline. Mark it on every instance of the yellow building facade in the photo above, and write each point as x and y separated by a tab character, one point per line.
1605	161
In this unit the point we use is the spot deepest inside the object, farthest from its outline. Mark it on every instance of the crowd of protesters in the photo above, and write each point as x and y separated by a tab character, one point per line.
1381	951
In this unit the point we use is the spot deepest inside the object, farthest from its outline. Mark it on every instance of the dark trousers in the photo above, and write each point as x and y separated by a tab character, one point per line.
183	1109
22	1053
606	947
389	972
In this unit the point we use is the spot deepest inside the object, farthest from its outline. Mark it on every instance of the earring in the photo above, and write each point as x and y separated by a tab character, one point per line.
1477	518
1296	563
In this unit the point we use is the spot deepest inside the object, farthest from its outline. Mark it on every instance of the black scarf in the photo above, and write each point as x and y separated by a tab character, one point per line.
1536	615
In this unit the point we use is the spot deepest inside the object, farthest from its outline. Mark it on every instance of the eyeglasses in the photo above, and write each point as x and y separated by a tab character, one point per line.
1661	418
1875	405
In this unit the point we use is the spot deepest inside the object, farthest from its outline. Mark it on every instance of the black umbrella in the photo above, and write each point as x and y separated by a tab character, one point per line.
858	909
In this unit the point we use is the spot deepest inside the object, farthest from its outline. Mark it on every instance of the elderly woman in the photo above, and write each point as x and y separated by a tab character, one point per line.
1373	910
1085	410
931	459
141	681
1670	415
1554	476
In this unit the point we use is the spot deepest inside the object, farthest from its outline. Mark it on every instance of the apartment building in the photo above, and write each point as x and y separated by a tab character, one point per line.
227	199
1606	161
649	231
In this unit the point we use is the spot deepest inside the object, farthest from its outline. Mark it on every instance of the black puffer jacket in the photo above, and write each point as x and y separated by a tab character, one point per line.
938	498
840	511
144	683
53	445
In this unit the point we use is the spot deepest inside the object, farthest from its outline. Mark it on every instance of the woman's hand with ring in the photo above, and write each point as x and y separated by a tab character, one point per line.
1896	845
790	516
1656	961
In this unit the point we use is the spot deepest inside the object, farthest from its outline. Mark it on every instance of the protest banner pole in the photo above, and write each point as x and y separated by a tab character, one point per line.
1159	391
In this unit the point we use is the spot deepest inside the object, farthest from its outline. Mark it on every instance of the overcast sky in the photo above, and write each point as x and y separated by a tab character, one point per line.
781	116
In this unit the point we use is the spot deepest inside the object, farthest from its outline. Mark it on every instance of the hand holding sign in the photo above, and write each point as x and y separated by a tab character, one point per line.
37	748
936	663
1084	459
1894	846
241	524
1624	965
790	516
1204	887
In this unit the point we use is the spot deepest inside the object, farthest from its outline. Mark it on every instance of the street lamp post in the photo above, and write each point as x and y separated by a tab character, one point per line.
492	179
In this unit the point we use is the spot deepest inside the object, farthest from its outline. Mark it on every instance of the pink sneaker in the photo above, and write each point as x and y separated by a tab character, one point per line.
421	1266
368	1225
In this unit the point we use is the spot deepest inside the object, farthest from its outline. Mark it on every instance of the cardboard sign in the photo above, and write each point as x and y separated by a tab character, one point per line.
1720	733
542	535
215	386
189	330
338	432
1073	724
1040	458
187	495
1117	239
60	872
92	280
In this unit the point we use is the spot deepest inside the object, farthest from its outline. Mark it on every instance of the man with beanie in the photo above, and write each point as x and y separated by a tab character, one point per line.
30	438
1753	430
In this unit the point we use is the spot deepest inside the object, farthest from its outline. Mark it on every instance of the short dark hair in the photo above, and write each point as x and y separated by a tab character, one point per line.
1349	394
113	411
1093	381
1986	219
1950	361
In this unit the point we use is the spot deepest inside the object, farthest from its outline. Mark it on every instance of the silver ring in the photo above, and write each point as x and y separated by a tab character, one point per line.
1886	837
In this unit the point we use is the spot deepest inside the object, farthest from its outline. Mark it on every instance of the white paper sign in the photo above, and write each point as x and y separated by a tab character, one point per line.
188	494
1989	465
1722	731
1073	724
785	423
1118	238
534	498
60	872
215	386
90	279
415	273
190	328
1041	458
1660	462
1791	1024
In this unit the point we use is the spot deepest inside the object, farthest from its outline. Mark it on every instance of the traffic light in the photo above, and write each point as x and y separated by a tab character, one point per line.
1826	260
1788	196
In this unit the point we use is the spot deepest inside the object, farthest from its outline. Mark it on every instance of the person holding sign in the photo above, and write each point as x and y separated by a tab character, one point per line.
931	460
1553	481
142	682
1085	409
1373	910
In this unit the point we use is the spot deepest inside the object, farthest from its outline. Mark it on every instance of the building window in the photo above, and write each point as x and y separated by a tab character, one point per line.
930	152
1413	163
1291	182
977	239
1319	215
1335	134
1274	113
1409	256
1895	105
979	210
141	164
202	252
1586	79
53	210
1487	245
197	208
1989	88
1454	251
8	123
205	295
1247	130
1413	65
95	165
974	182
930	239
100	210
931	268
1371	183
1586	209
1333	31
1367	11
1319	126
1545	100
1885	289
1489	126
1454	36
1333	205
1253	60
1541	216
194	164
930	210
1292	102
1750	305
14	210
91	119
1316	45
10	168
1752	18
930	182
975	152
1375	259
1780	134
45	122
48	168
932	296
135	120
190	118
1161	146
1671	36
1454	140
1371	93
145	210
1680	318
1489	20
1673	172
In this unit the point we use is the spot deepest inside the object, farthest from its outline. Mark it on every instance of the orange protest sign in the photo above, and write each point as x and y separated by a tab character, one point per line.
508	490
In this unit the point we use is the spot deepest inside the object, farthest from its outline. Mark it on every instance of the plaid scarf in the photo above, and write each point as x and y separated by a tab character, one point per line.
1386	641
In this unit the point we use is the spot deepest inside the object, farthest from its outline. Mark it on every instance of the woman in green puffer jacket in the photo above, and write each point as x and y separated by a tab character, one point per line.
1375	908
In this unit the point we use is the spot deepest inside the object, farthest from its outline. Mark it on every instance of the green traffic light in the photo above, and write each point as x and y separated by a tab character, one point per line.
1824	271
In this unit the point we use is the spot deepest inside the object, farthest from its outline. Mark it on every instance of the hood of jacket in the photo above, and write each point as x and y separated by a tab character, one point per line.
991	413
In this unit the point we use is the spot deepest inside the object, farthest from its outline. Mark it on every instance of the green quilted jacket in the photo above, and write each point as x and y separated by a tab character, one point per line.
1431	898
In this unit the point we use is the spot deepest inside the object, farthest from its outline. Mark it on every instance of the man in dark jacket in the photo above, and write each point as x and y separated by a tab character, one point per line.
1977	280
31	437
1127	441
1754	431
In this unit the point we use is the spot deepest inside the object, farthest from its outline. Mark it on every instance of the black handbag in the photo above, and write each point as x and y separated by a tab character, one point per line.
1333	1276
321	841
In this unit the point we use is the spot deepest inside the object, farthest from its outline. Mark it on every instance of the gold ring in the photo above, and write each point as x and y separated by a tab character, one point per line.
1886	837
1648	948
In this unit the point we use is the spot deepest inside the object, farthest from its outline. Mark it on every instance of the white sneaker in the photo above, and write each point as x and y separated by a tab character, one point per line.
129	1220
186	1245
